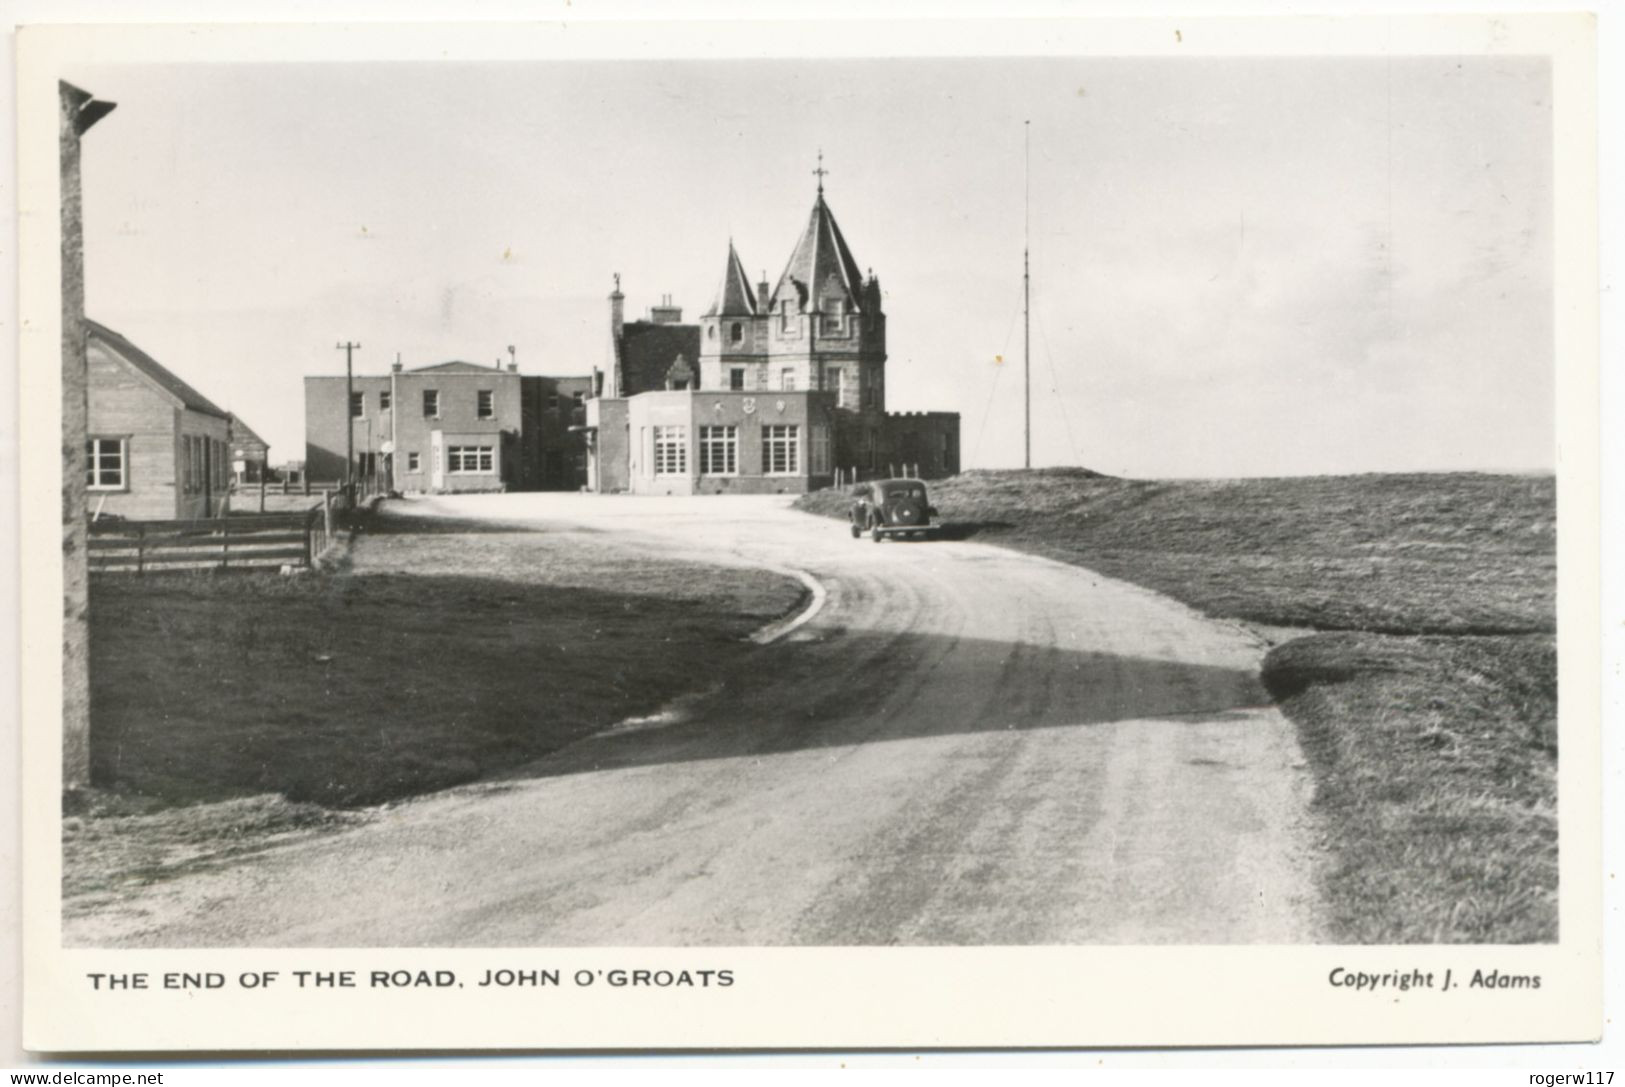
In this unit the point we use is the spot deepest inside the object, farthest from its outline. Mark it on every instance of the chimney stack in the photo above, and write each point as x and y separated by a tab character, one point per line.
395	367
666	313
762	293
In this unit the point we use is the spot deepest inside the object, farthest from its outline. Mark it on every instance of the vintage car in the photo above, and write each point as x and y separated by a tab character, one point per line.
891	507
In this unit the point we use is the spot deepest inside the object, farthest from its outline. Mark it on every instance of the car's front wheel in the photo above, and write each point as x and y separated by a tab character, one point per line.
856	531
874	531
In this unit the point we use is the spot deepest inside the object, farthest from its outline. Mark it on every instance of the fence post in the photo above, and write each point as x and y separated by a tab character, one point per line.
140	548
304	480
262	489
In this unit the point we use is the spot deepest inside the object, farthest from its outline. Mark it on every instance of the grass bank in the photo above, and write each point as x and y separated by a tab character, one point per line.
442	652
1424	691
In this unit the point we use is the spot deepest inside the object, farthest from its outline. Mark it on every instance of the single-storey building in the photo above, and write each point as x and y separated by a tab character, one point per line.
156	448
250	454
717	442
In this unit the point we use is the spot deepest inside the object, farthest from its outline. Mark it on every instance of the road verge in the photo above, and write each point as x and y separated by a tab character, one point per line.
1423	687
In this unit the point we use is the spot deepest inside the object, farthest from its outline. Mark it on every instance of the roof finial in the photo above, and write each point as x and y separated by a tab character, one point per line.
820	172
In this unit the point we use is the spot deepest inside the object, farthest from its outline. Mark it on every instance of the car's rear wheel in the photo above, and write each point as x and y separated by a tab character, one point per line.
874	532
856	531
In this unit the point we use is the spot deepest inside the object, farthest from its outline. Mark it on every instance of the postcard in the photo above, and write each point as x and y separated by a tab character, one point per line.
829	534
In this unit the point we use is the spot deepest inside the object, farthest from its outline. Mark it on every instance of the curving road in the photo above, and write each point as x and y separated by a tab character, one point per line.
966	745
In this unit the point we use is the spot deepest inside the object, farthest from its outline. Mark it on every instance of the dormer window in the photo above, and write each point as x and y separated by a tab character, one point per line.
736	332
784	315
834	319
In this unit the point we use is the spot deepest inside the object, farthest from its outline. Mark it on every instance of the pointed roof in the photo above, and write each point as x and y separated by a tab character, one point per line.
242	433
735	298
821	267
150	368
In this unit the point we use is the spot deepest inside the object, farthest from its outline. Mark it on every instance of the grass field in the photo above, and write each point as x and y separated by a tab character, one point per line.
1404	554
1425	687
439	653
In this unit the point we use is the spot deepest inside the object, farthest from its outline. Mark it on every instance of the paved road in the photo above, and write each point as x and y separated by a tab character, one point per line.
965	746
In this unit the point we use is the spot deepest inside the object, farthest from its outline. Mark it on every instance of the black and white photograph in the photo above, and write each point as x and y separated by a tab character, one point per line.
712	502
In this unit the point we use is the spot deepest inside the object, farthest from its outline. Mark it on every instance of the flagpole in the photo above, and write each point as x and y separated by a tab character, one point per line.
1026	298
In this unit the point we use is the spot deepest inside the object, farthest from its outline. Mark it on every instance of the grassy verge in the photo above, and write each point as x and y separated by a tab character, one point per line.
1435	760
444	652
1427	710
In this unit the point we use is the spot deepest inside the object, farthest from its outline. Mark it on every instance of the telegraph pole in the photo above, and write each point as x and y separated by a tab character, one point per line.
349	350
1026	298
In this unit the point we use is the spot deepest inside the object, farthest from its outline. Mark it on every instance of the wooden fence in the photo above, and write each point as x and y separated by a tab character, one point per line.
239	541
845	477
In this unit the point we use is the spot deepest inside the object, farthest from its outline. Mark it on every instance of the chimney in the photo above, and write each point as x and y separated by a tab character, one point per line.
763	292
617	310
666	313
395	367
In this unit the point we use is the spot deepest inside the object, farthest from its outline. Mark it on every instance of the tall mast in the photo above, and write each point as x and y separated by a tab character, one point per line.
1026	298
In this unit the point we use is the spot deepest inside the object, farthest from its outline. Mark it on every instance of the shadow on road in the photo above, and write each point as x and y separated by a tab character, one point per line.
867	687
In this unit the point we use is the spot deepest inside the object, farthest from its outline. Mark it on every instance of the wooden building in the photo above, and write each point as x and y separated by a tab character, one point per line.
250	454
156	448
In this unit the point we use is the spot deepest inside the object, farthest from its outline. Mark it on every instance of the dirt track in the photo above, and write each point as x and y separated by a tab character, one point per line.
965	746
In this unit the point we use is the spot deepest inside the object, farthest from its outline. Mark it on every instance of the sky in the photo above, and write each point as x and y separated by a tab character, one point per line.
1240	266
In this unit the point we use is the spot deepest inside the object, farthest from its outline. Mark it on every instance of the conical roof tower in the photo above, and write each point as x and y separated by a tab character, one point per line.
735	297
821	268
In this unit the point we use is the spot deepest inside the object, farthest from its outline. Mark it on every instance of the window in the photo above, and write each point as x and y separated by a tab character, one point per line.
787	380
431	403
188	464
412	463
485	407
467	460
833	323
736	377
784	315
104	464
719	450
671	450
383	400
819	453
780	442
358	405
736	332
835	382
579	397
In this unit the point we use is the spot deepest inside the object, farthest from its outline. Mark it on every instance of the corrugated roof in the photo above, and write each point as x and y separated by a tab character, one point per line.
189	397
